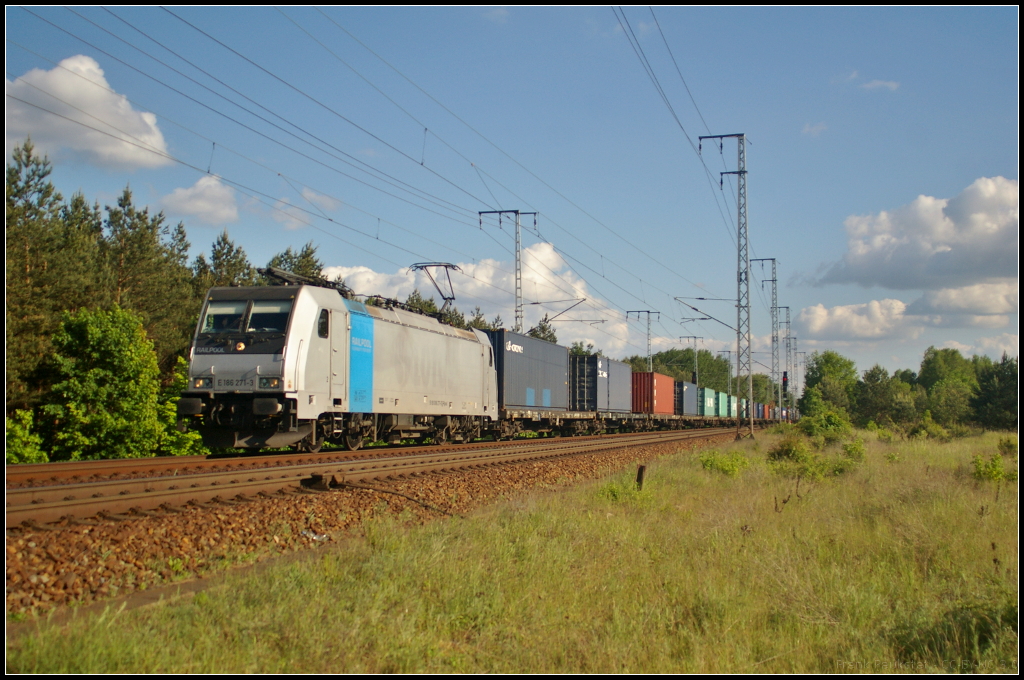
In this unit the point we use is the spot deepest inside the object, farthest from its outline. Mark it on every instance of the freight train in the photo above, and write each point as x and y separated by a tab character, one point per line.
305	362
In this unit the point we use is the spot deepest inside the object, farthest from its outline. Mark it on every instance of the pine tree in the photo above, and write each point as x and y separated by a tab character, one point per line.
995	405
32	215
228	266
543	331
149	276
303	263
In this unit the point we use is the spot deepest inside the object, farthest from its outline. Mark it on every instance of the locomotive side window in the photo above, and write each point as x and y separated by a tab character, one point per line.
323	324
269	316
224	316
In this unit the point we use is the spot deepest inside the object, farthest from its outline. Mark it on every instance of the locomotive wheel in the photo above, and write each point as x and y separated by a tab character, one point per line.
353	442
441	437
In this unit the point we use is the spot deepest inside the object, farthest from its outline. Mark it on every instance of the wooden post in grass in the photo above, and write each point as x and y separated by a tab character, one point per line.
640	477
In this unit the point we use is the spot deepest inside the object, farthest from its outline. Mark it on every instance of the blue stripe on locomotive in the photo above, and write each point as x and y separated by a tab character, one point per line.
360	358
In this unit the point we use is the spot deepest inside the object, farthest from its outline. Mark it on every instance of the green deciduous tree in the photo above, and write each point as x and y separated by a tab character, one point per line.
943	364
834	375
950	401
172	442
104	401
23	443
884	400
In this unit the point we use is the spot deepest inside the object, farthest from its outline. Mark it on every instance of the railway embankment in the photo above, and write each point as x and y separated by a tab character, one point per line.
765	555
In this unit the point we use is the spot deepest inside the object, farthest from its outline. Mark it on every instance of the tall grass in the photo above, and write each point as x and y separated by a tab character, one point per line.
901	562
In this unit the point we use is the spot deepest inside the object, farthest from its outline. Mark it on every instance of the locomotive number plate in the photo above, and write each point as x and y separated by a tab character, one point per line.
228	382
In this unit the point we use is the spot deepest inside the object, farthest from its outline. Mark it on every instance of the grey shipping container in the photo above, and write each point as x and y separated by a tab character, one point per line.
597	383
532	374
686	399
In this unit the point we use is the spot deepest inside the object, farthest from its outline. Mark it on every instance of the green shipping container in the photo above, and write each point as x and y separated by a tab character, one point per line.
706	402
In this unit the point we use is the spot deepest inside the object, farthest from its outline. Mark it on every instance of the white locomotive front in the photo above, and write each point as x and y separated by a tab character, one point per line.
275	366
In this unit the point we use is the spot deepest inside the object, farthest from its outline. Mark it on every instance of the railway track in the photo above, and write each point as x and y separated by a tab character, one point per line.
52	492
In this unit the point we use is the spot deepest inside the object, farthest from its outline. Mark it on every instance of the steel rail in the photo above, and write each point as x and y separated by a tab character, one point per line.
49	504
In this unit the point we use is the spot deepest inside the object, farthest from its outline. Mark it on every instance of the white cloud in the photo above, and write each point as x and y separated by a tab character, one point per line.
891	85
980	299
321	201
76	85
814	130
875	320
893	319
208	200
933	243
490	284
996	346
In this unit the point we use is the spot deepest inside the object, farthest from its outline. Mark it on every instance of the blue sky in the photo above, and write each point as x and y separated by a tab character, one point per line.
882	155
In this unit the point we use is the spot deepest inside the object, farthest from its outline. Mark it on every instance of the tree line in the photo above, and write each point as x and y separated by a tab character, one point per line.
101	308
102	305
949	392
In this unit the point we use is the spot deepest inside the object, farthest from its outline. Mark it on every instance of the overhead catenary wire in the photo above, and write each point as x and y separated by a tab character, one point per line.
509	156
262	197
562	253
206	73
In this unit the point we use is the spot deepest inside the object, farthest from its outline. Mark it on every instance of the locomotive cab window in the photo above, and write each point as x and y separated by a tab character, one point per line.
248	326
224	316
323	323
269	316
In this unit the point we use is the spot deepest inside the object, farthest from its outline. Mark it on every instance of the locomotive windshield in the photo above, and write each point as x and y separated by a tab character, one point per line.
224	316
248	326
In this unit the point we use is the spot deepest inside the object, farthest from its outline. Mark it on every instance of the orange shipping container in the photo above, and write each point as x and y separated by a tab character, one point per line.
653	393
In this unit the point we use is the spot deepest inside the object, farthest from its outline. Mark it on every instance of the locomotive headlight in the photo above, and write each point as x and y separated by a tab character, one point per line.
202	383
270	383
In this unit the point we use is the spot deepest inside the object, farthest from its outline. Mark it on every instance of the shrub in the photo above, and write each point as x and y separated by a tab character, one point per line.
23	445
792	448
885	435
929	429
730	464
854	449
992	470
832	425
104	400
1008	446
173	442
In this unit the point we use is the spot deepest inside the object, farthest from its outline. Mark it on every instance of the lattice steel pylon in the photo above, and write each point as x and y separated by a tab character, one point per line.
648	312
789	357
776	376
743	356
519	257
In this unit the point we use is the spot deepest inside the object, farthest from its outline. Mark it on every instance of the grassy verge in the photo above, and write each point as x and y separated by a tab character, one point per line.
882	557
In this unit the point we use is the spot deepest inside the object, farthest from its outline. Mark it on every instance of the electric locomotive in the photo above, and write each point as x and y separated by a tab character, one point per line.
295	364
